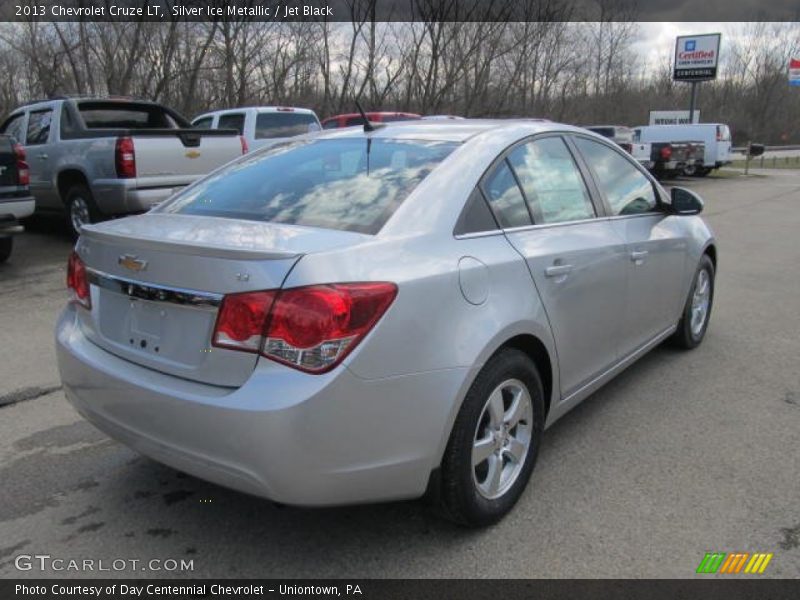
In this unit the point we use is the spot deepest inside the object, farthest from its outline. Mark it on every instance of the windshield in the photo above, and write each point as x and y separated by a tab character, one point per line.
352	184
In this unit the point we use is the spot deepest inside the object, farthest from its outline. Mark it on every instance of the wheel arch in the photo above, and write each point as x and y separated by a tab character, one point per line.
711	251
68	178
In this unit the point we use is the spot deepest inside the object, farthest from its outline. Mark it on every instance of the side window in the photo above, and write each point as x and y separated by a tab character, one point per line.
204	123
505	197
232	121
13	127
626	188
39	127
476	216
551	181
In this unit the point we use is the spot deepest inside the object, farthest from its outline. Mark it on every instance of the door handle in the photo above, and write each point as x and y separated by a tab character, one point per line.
42	155
638	256
557	270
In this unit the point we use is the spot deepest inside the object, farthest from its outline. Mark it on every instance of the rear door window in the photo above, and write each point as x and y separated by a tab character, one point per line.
283	124
552	183
14	127
351	184
39	127
505	197
204	123
232	121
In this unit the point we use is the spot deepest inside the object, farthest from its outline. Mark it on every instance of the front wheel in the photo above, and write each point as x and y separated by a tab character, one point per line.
6	245
697	310
495	441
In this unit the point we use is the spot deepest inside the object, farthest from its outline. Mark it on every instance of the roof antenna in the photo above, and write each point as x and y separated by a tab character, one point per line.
368	125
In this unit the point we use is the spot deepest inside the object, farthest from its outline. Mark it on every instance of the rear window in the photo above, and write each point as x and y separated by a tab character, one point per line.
283	124
351	184
723	133
124	115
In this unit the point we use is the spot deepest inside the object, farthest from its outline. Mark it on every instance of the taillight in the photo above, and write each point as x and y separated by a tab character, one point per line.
23	171
245	147
666	152
78	281
309	328
125	158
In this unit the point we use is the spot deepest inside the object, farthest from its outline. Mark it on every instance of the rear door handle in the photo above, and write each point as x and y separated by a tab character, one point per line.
557	270
638	256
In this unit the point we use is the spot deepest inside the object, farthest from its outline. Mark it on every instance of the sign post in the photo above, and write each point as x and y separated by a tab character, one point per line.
696	60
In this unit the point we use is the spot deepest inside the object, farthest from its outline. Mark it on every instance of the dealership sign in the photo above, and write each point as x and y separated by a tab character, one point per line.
672	117
696	57
794	71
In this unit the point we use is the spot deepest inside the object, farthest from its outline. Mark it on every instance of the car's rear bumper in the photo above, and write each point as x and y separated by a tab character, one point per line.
294	438
12	209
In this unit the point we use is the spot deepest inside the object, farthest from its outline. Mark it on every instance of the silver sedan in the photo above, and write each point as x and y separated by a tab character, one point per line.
376	313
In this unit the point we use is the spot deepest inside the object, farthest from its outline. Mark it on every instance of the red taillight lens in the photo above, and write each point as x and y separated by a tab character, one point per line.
666	152
78	281
125	158
245	147
310	328
23	171
242	320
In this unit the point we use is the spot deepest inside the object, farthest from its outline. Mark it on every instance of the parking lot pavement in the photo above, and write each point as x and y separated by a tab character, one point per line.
685	453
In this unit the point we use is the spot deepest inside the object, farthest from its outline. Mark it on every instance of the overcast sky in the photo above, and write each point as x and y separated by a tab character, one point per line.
658	39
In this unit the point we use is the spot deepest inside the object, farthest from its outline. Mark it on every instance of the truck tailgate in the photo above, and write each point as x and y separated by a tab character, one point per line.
183	156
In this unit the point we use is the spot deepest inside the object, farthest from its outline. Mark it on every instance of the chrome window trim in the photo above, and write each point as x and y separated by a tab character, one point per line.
153	292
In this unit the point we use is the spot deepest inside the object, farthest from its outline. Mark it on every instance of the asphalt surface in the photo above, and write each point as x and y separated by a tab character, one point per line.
683	454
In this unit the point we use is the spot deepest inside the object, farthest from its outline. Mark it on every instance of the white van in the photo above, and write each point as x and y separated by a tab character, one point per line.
261	125
716	136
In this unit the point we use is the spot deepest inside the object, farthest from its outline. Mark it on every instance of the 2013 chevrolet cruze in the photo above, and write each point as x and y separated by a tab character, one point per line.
355	316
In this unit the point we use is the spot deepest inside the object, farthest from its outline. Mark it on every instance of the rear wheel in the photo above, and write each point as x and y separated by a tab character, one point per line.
495	441
6	245
690	170
81	209
697	311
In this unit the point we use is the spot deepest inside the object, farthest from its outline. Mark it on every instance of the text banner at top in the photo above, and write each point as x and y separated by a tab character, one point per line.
395	10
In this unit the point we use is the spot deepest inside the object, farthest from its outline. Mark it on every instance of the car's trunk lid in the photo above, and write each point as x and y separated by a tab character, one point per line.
157	281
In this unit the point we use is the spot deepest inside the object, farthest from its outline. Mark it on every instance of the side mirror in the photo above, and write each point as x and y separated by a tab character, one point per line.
685	202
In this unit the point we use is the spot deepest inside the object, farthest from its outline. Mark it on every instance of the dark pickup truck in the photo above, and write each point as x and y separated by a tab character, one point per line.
16	201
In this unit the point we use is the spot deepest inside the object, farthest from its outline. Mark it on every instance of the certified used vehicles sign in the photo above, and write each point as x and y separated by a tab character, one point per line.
696	57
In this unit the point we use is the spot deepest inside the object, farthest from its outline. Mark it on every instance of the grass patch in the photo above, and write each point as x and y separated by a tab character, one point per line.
769	163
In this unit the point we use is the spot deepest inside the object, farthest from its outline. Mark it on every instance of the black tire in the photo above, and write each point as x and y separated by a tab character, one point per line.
690	170
459	491
6	245
688	336
80	207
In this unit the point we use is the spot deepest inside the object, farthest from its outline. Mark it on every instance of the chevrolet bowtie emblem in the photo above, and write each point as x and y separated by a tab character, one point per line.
192	153
134	263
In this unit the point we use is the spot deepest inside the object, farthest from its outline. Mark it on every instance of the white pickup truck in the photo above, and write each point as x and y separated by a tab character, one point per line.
623	136
96	158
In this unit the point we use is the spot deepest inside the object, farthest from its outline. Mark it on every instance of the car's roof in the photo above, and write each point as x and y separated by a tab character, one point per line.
265	109
455	130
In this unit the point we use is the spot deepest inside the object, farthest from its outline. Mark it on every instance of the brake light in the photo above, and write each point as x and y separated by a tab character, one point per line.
245	147
78	281
125	158
23	171
308	328
666	152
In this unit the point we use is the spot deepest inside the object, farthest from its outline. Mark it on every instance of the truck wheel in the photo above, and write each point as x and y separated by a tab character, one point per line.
690	170
495	441
81	209
6	244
